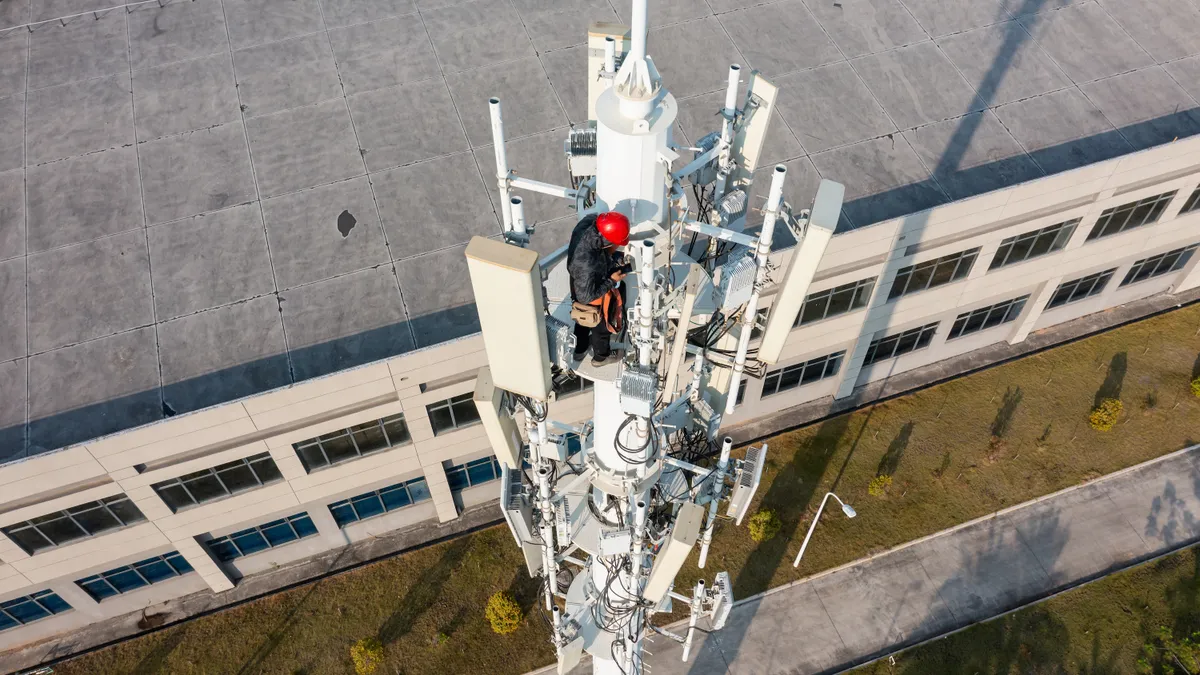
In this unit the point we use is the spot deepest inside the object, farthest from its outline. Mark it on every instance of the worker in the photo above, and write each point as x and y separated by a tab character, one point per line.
597	270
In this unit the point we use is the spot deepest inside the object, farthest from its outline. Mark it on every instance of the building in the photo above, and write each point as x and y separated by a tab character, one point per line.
151	452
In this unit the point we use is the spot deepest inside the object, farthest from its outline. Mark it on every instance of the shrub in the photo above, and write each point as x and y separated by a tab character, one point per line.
367	655
503	612
1196	387
879	485
764	525
1104	416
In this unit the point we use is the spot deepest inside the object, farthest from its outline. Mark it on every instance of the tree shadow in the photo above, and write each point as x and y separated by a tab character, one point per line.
1004	415
424	592
155	661
1196	367
895	451
1114	380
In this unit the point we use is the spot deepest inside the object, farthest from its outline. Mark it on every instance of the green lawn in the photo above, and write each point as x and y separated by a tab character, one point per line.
1098	629
956	451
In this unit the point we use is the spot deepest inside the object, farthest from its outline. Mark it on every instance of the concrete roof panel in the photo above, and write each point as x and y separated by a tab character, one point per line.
337	108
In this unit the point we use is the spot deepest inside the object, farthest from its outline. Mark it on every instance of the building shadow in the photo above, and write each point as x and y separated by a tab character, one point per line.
424	592
1114	380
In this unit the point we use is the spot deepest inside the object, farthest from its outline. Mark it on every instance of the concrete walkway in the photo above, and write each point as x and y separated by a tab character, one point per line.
950	580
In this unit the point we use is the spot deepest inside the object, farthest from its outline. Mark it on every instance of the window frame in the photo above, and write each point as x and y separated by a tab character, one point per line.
37	598
378	494
1098	280
231	538
773	381
1059	235
173	560
213	473
1192	203
924	337
350	432
465	470
1010	310
449	405
70	514
854	288
1124	213
960	272
1182	255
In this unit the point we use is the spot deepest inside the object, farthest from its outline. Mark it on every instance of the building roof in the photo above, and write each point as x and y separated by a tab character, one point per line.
204	200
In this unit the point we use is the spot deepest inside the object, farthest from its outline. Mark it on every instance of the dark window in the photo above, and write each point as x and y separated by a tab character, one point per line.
1158	265
453	413
218	482
834	301
902	343
131	577
741	395
801	374
390	498
932	273
30	608
571	384
1033	244
77	522
475	472
760	322
1192	203
1131	215
353	442
263	537
1078	289
987	317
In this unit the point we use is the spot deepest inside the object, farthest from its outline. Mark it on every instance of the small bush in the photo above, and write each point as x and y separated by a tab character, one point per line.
503	613
879	485
367	655
764	525
1104	416
1196	387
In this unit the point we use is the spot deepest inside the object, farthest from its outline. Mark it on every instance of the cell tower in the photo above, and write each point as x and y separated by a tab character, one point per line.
607	511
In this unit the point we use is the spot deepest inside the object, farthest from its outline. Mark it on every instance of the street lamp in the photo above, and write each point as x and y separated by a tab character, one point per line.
846	509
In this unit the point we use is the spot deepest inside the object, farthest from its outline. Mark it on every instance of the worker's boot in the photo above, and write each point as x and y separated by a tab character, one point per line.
612	357
579	356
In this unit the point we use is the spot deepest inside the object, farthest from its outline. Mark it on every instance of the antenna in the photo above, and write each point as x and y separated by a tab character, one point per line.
608	527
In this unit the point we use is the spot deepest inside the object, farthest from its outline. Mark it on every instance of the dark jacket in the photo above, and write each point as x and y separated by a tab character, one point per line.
588	263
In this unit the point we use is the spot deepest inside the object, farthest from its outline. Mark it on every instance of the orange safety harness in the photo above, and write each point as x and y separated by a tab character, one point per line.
601	309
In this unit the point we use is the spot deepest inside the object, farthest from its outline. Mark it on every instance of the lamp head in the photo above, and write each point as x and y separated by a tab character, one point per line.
849	511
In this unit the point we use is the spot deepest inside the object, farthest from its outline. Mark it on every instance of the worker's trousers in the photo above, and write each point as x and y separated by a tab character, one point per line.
596	338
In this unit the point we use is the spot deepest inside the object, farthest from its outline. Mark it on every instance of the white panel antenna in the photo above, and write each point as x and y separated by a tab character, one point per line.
722	600
674	552
751	132
822	222
748	479
518	513
501	428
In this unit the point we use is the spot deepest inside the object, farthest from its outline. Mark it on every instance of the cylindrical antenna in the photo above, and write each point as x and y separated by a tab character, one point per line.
501	161
610	54
732	90
637	30
516	207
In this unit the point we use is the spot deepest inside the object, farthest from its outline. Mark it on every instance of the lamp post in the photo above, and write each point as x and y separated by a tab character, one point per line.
846	509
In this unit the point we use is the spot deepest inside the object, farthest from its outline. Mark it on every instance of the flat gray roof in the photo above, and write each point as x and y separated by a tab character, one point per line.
208	199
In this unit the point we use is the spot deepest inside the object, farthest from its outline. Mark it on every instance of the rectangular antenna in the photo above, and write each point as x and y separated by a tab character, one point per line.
822	222
751	131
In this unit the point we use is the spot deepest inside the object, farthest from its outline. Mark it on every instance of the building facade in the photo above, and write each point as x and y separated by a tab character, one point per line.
199	501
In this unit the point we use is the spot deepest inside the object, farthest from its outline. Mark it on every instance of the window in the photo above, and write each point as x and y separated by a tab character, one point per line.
933	273
475	472
1192	203
1073	291
1158	265
218	482
131	577
1033	244
571	384
801	374
987	317
835	301
453	413
741	395
30	608
77	522
1131	215
351	443
377	502
897	345
760	322
263	537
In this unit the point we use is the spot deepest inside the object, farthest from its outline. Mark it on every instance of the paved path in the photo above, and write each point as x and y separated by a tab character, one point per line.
926	588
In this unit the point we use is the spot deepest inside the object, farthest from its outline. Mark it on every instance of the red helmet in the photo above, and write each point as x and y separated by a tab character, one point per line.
614	227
